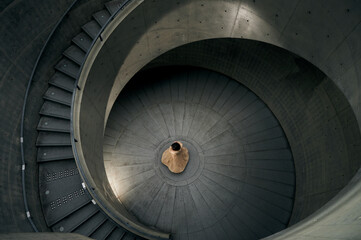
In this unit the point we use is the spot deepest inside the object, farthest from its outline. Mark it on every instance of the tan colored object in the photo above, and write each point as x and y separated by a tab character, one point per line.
176	161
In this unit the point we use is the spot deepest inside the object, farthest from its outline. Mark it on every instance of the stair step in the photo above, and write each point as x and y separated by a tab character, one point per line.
117	234
113	6
61	192
91	225
92	28
75	54
53	139
76	218
101	17
58	95
53	124
103	231
62	81
130	236
46	154
68	67
53	109
83	41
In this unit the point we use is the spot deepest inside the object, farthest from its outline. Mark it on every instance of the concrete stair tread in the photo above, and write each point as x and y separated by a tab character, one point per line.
75	219
117	234
113	6
92	28
101	17
58	95
53	109
54	153
103	231
83	41
91	225
68	67
62	81
53	139
75	53
53	124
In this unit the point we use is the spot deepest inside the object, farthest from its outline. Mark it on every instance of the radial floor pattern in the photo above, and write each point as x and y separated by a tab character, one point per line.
239	181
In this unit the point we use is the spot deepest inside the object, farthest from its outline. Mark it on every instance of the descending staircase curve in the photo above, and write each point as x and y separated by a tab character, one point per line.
67	204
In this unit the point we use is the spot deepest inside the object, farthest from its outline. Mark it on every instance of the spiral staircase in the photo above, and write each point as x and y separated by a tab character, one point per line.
239	184
67	206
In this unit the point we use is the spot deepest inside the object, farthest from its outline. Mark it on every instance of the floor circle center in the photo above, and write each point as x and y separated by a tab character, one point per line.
191	172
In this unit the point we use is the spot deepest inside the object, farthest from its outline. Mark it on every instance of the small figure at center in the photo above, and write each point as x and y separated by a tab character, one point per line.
176	157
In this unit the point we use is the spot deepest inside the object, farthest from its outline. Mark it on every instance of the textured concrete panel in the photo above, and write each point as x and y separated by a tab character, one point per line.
221	166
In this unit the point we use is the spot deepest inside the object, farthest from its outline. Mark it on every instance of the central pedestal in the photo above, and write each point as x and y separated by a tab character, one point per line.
176	157
192	170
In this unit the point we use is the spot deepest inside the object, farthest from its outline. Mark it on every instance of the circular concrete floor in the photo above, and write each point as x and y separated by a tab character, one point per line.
239	182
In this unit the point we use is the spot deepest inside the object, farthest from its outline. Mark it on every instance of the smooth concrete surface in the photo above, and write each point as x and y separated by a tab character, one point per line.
327	33
168	24
296	93
338	219
285	82
239	181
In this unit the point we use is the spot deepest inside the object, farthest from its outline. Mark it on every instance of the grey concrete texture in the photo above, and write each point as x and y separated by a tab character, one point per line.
138	48
229	171
326	33
24	27
327	189
297	94
43	236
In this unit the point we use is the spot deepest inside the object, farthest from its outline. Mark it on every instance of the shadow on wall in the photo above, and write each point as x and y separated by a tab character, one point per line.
316	117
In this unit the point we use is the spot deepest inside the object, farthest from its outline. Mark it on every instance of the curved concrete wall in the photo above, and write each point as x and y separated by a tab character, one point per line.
158	26
297	93
326	33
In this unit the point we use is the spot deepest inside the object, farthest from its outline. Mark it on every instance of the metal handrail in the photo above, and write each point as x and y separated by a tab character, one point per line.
73	140
23	166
